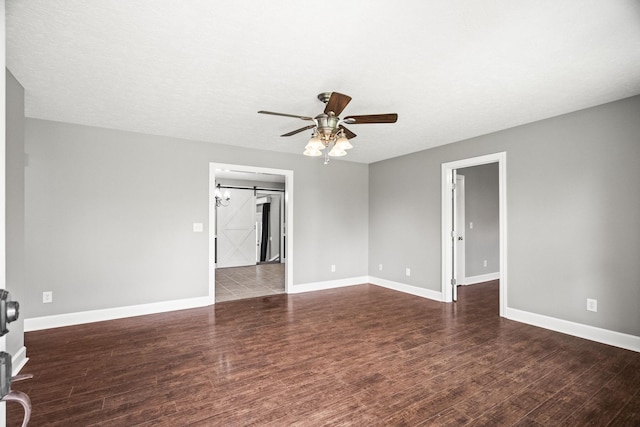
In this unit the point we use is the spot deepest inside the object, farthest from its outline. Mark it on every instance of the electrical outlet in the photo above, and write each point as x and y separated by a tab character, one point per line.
379	267
47	297
470	225
592	304
333	268
407	272
485	262
198	227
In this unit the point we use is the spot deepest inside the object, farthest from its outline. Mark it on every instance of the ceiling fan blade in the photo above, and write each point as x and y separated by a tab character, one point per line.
285	115
347	132
337	102
293	132
371	118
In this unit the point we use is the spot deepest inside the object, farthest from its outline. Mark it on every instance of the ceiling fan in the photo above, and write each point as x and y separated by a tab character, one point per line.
328	127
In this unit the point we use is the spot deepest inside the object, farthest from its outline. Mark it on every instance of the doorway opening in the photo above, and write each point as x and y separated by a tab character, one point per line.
251	234
269	226
453	229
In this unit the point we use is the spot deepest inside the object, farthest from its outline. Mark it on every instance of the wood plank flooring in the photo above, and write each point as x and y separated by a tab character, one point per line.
362	355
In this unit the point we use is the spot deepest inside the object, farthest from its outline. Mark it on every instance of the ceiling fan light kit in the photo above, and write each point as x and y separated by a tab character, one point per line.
328	129
315	143
337	152
343	142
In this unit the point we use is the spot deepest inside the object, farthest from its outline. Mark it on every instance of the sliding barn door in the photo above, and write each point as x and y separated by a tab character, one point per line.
237	230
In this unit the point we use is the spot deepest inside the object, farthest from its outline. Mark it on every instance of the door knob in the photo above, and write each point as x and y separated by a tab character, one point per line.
9	311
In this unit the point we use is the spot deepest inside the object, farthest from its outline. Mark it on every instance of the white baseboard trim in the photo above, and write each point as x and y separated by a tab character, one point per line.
18	360
604	336
407	289
69	319
328	284
481	278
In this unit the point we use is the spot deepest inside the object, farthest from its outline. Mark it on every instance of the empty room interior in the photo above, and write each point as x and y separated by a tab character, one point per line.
274	214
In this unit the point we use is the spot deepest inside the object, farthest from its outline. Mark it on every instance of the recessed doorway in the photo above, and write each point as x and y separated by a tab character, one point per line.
250	231
451	232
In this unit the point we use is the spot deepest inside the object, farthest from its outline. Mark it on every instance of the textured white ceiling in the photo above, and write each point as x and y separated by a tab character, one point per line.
201	69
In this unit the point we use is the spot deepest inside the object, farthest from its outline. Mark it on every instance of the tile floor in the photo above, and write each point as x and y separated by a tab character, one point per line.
247	282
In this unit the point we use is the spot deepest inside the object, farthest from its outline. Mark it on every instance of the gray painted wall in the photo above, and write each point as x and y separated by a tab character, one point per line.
15	206
109	216
573	214
481	199
109	213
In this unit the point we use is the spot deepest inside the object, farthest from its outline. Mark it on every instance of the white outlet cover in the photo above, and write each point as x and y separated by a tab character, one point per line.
333	268
380	267
592	304
198	227
408	271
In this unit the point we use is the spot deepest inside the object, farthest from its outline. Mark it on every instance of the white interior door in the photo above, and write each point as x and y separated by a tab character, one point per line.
236	230
460	231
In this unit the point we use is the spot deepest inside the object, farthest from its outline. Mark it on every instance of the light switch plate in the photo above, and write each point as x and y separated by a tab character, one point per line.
198	227
47	297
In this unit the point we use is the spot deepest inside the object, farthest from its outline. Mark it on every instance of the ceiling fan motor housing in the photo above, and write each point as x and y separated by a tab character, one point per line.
327	124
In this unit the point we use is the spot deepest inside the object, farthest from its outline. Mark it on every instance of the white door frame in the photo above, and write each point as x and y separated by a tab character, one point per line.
288	226
3	192
460	228
447	225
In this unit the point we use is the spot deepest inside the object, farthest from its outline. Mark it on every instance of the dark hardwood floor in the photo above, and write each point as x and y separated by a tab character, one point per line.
361	355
